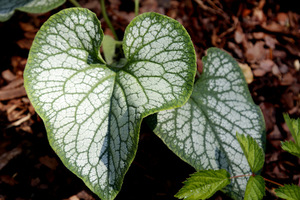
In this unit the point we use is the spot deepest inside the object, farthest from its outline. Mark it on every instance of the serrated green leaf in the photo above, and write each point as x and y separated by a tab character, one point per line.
253	152
203	184
294	127
255	189
289	192
8	7
109	48
92	112
202	132
291	147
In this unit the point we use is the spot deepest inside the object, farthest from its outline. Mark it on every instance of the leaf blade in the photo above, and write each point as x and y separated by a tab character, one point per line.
255	189
203	184
289	192
199	136
291	147
253	152
8	7
92	113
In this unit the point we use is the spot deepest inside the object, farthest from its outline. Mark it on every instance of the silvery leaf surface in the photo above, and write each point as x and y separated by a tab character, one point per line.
8	7
93	112
202	132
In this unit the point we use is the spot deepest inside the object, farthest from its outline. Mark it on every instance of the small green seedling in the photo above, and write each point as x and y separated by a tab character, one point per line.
93	108
213	180
294	127
8	7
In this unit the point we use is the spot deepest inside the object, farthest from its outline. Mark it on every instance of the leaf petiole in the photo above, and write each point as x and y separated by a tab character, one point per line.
136	7
273	182
103	9
75	3
239	176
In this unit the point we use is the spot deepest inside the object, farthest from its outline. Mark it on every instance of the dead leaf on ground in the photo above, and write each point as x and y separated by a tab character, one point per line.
8	76
8	180
12	93
236	49
297	64
258	35
25	43
256	52
259	72
270	41
266	65
268	111
49	162
13	84
28	27
287	79
247	72
7	156
283	19
82	195
239	36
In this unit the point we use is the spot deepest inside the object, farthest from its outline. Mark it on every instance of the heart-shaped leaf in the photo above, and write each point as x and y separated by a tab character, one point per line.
253	152
203	184
93	112
202	132
8	7
255	189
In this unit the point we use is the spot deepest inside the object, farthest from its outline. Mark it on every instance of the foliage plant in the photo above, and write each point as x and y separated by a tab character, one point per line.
8	7
92	107
93	111
204	183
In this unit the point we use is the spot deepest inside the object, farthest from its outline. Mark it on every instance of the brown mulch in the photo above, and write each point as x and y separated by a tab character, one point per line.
262	35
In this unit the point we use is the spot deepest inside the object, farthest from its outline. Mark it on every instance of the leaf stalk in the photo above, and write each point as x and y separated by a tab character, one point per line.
105	16
273	182
136	7
75	3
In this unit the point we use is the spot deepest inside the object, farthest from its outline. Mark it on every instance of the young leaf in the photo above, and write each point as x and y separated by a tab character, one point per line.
255	189
294	127
203	184
291	147
289	192
202	132
253	152
92	112
8	7
109	47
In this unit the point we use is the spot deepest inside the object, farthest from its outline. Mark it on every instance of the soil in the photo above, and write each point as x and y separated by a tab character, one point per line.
262	35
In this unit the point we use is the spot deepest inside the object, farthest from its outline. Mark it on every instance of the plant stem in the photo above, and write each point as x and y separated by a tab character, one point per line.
103	9
136	7
273	182
239	176
75	3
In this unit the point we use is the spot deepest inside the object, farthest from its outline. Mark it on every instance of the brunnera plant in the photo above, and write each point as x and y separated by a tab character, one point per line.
204	183
93	108
93	111
8	7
